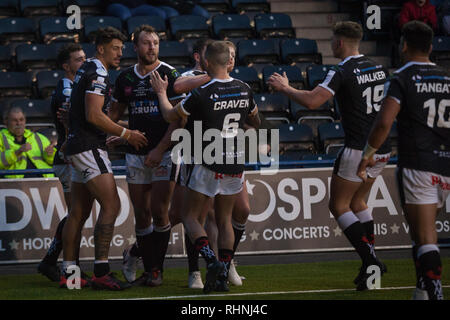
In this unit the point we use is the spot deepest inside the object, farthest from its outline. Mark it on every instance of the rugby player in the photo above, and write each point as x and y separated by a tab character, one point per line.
70	57
222	181
150	172
418	95
358	83
92	176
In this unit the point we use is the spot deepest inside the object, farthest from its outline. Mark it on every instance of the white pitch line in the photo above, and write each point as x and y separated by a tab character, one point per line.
261	293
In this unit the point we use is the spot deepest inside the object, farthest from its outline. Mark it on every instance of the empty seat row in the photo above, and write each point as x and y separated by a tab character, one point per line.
54	28
271	51
55	7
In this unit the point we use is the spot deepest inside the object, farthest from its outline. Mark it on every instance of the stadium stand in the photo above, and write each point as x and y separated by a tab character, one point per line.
249	75
46	82
441	51
293	73
250	5
270	36
30	8
331	137
215	6
258	51
9	8
156	22
315	74
16	84
88	7
232	26
55	29
296	138
300	51
91	24
35	56
38	112
175	53
274	25
17	29
189	26
274	107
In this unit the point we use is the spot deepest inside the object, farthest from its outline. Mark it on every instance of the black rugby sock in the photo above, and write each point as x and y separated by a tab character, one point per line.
202	246
430	262
56	246
192	254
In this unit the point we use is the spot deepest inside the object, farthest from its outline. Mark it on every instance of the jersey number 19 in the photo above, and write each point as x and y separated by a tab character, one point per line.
373	98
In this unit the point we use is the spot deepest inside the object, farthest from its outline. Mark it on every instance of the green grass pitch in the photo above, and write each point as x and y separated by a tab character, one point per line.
311	281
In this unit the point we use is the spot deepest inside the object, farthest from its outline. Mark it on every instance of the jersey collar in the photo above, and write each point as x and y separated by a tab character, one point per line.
146	75
410	63
350	57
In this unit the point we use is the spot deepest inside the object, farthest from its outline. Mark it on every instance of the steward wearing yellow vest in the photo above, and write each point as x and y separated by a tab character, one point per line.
21	148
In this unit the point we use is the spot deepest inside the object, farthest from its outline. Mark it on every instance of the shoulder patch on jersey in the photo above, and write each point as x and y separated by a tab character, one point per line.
67	92
101	72
175	73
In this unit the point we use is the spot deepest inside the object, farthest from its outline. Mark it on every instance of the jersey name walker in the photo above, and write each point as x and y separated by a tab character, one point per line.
222	105
92	77
60	99
358	84
423	92
135	91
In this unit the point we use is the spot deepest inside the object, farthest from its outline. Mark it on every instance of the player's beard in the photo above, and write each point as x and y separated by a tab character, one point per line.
146	61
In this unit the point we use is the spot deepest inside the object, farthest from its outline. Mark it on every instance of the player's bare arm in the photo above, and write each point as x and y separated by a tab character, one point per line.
170	113
186	84
95	116
310	99
380	131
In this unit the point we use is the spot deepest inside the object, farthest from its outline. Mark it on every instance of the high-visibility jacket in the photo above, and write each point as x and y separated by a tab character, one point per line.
37	154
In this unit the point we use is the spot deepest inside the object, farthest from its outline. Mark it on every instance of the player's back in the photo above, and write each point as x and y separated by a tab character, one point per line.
222	105
92	77
358	85
423	92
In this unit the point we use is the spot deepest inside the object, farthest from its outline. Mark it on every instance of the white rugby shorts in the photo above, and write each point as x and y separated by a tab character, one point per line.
347	163
138	173
210	183
422	187
89	164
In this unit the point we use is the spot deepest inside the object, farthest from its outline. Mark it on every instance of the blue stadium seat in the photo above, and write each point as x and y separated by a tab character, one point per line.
35	56
16	84
232	26
155	21
89	49
293	73
331	137
274	25
298	112
9	8
250	5
55	29
274	107
221	6
315	74
296	137
50	133
88	7
36	110
249	76
189	26
17	30
300	51
258	51
175	53
47	80
129	56
91	24
318	157
6	62
39	7
441	51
